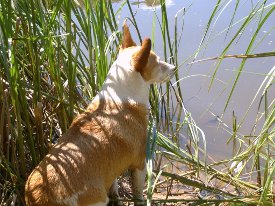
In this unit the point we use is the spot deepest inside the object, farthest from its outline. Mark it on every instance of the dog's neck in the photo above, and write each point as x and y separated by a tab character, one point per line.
123	85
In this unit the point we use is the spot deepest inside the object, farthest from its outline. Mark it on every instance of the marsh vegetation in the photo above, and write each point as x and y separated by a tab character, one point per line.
55	55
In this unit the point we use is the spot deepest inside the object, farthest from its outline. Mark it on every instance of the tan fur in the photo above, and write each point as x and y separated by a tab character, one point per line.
140	58
144	70
105	140
103	127
127	40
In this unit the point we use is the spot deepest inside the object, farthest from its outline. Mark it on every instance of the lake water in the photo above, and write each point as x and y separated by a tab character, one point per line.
207	106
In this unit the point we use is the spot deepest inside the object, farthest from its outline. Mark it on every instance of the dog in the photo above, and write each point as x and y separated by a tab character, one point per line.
107	139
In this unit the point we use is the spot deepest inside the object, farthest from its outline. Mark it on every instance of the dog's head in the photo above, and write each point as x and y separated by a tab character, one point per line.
145	61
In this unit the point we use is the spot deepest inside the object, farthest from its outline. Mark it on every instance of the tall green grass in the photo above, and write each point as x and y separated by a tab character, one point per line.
54	57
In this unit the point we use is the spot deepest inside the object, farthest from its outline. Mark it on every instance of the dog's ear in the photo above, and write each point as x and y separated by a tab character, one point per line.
127	40
140	58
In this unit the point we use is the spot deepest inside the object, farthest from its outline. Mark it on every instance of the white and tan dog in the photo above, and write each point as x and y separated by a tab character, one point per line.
107	139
